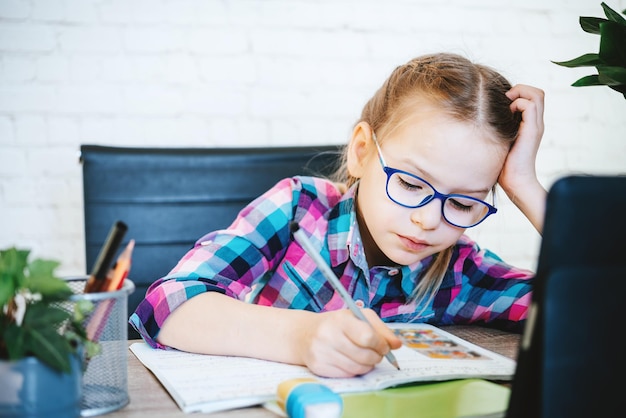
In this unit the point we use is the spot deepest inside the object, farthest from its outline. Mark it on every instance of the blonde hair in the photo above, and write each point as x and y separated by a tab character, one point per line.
467	91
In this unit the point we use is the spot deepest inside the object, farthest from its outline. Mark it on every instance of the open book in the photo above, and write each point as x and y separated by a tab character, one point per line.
203	383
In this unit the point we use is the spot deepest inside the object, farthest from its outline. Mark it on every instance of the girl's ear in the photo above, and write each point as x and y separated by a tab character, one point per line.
359	149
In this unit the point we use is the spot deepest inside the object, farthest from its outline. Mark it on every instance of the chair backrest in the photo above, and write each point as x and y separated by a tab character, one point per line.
170	197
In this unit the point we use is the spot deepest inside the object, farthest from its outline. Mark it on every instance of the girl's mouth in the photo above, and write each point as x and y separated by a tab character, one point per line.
413	244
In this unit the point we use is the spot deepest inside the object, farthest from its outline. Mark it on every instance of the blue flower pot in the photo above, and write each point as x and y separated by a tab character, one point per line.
31	389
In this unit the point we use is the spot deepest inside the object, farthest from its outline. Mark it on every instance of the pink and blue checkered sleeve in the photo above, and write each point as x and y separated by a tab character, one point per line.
229	261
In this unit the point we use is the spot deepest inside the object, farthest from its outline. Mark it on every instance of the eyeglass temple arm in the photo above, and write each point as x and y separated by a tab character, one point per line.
380	152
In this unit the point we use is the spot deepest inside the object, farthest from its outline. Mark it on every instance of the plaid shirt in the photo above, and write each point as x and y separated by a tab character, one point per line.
256	260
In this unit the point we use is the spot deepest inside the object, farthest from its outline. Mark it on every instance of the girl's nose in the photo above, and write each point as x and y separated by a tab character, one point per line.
428	216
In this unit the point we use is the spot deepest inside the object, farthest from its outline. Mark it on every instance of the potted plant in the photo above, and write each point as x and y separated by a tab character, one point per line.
610	61
43	341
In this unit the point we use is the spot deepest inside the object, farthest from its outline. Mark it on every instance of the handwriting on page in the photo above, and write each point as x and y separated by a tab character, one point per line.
198	378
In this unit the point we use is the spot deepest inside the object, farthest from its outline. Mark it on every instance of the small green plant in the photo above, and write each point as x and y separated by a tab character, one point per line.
610	61
33	320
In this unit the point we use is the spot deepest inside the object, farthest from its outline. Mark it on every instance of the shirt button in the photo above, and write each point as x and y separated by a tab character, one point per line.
393	272
359	303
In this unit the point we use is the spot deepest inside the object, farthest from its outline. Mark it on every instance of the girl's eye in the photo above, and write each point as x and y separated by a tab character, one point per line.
409	184
457	205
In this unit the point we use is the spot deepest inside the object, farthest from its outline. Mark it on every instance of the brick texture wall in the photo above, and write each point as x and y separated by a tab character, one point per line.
219	73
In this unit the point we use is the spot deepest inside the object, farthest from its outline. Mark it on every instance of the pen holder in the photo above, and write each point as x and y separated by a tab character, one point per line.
105	379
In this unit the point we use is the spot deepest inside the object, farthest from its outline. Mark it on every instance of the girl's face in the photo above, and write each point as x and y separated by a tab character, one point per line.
453	156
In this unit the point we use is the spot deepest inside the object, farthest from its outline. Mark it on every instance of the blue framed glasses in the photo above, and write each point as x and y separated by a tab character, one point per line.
412	191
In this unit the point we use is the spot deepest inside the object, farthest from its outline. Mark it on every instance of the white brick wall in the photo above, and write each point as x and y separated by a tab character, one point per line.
252	72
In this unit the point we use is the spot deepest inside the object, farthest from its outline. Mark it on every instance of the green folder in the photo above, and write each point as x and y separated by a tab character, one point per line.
451	399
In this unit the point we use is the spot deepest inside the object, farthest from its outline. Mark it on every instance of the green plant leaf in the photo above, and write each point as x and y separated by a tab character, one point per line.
43	315
612	75
14	339
7	288
81	309
92	349
586	60
590	80
52	328
613	43
12	265
51	348
610	61
50	287
613	15
41	279
591	24
43	268
13	260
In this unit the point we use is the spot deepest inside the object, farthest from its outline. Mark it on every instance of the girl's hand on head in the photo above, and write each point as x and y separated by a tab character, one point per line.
518	177
520	162
338	344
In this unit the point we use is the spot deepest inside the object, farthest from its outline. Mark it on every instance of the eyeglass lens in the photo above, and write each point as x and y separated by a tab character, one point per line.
407	190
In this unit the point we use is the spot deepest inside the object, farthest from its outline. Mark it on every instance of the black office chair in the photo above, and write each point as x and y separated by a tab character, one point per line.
170	197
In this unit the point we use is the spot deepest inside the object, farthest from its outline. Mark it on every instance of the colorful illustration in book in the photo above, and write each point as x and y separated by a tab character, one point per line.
433	345
451	354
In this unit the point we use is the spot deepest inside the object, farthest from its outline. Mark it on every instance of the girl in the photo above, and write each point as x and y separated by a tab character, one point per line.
421	167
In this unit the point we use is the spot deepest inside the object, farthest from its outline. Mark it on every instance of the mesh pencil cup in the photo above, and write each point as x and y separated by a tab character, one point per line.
105	379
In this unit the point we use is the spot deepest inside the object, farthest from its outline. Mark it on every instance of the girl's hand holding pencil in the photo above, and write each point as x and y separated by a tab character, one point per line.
338	344
347	342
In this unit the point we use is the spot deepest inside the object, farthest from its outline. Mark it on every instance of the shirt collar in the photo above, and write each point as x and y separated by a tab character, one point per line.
344	236
344	241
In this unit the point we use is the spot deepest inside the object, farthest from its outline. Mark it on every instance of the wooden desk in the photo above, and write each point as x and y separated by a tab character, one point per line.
149	399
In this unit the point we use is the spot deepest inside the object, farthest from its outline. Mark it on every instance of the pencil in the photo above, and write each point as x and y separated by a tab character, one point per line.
114	281
306	244
119	272
100	269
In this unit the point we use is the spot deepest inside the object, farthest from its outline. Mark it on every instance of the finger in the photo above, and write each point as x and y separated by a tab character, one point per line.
531	112
341	346
524	91
363	336
339	365
356	361
340	357
526	98
391	339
